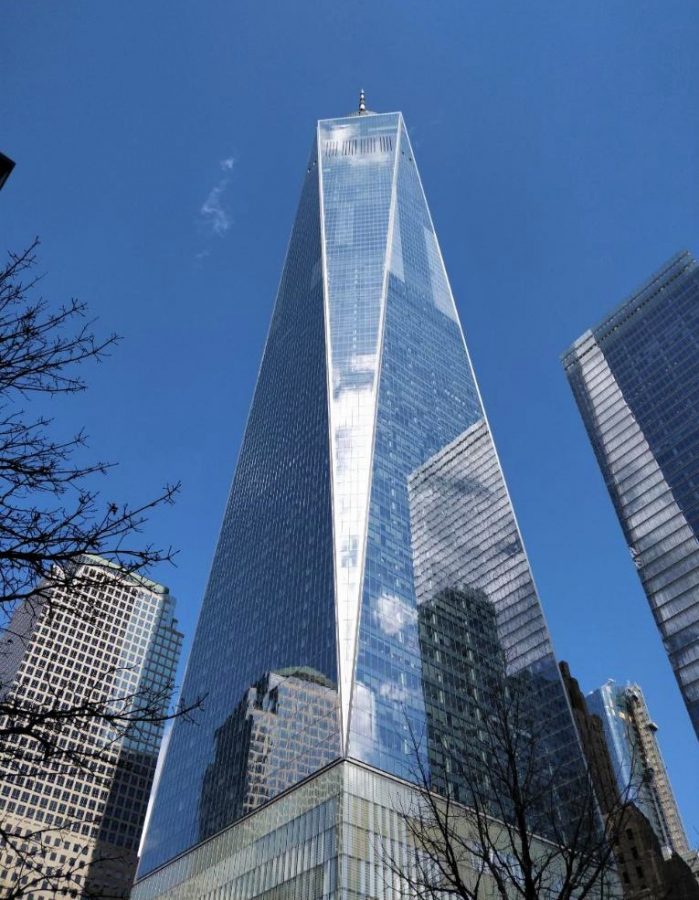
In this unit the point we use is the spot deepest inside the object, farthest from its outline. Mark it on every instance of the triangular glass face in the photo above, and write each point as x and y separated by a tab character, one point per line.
358	161
264	655
426	398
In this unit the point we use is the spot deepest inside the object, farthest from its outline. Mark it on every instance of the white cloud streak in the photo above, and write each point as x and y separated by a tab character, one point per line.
214	214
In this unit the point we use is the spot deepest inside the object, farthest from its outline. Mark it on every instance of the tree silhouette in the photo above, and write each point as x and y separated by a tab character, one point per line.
527	824
53	519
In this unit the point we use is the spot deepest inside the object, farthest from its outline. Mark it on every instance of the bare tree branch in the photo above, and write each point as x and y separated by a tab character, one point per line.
52	518
521	831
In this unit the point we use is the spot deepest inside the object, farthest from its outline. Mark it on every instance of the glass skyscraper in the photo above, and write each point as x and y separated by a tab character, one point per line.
369	578
635	379
635	755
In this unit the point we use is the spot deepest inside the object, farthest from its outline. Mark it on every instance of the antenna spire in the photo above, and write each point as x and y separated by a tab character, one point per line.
362	102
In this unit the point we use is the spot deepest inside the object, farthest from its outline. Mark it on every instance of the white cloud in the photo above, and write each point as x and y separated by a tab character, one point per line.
394	692
214	214
393	614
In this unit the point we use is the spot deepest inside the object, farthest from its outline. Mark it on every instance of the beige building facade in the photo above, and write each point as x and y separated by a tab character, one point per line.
75	786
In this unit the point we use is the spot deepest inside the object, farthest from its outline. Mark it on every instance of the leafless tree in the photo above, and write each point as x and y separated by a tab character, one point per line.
52	518
527	823
51	513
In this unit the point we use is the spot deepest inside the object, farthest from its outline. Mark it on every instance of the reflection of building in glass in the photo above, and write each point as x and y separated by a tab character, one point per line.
636	382
103	638
462	664
464	533
478	610
284	730
631	738
364	383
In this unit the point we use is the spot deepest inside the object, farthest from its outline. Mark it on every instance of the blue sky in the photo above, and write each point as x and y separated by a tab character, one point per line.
160	149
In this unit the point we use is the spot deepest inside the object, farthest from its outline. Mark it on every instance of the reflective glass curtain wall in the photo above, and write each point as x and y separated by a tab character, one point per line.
268	610
367	520
635	379
630	735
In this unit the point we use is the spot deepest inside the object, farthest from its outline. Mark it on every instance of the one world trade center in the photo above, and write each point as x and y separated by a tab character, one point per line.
369	574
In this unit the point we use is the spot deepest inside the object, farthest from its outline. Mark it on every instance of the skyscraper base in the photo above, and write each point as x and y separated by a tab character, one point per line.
330	837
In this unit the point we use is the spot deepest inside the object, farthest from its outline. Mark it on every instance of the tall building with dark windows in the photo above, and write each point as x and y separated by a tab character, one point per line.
369	575
635	378
73	796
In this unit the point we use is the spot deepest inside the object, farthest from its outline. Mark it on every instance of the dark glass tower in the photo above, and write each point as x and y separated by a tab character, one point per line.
636	382
369	570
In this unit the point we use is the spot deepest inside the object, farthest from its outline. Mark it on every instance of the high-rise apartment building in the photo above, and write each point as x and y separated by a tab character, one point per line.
630	734
636	382
369	578
72	809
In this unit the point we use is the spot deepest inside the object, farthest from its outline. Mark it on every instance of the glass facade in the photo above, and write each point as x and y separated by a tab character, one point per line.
339	834
269	604
635	379
370	574
633	749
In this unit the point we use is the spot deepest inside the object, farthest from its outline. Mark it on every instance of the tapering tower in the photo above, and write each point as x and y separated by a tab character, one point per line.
367	534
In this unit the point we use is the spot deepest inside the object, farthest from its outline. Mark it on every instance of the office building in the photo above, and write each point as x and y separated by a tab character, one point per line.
367	526
648	867
72	808
635	379
630	734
